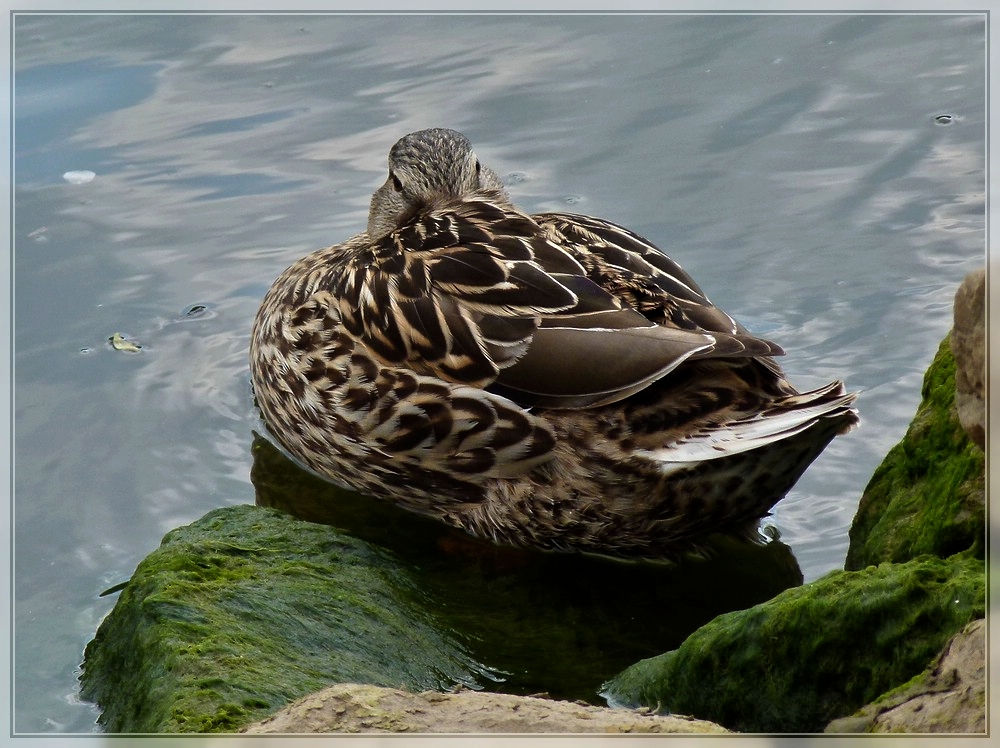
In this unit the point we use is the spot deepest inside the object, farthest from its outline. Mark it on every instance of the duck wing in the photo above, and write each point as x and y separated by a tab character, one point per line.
455	293
476	293
638	272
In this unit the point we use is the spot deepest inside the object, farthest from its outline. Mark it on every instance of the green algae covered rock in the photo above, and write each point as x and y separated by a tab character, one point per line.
928	495
949	696
247	609
813	653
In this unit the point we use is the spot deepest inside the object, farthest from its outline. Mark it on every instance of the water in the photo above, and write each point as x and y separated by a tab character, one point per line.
793	164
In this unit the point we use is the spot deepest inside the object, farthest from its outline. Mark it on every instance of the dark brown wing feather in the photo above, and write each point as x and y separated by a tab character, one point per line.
638	272
455	293
561	312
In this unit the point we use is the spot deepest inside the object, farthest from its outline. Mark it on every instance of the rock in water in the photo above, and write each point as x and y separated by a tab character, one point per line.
813	653
247	609
949	697
353	708
968	343
928	495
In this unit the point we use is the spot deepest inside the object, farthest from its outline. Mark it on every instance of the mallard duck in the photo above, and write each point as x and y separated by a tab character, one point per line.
549	380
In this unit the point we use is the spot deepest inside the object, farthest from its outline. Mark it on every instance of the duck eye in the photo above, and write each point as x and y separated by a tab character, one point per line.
396	184
479	167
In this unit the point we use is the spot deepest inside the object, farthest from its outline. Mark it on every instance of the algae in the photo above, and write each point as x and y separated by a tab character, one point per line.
928	495
215	630
813	653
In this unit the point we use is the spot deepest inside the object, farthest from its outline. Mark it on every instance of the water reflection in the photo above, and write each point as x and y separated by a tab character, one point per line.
553	622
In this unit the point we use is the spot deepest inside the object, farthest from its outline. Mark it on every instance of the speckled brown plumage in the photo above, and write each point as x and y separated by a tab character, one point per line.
551	380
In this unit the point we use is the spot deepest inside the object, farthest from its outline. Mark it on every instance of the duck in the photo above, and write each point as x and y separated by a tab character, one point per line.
546	380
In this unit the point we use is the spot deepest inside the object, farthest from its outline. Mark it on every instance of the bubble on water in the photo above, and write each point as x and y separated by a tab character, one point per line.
195	310
945	119
573	199
514	177
79	177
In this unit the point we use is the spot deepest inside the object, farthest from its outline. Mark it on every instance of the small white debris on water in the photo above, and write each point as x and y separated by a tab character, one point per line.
79	177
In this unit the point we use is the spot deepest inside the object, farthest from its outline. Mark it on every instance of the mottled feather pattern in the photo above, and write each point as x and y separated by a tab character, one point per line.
551	380
392	418
447	298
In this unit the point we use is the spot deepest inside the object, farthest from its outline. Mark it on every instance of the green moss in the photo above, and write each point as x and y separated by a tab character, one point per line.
927	496
933	679
813	653
247	609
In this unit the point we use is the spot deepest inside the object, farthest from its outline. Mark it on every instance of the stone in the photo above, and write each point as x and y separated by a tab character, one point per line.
813	653
245	610
354	708
929	493
948	697
968	343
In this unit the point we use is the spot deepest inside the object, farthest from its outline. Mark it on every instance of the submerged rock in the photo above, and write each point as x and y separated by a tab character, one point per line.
241	612
928	495
813	653
354	708
950	696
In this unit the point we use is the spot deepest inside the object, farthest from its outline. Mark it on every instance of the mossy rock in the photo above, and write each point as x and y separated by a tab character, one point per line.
813	653
949	696
247	609
928	495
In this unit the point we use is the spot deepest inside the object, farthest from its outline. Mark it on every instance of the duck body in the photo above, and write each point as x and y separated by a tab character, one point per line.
547	380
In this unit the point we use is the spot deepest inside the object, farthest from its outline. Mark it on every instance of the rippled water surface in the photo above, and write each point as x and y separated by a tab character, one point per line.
798	166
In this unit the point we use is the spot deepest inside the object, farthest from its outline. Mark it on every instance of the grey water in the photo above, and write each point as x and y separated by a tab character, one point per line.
821	176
